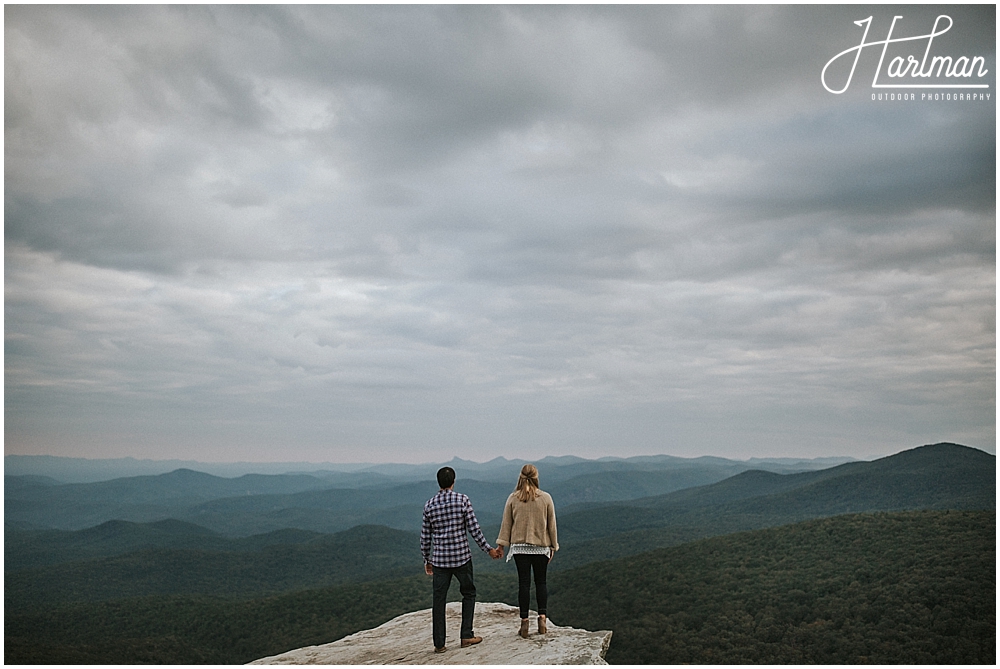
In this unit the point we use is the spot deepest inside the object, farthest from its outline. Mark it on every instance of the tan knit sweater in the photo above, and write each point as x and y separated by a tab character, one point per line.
532	522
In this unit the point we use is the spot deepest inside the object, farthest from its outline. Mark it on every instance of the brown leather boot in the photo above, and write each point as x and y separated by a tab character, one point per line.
524	628
541	625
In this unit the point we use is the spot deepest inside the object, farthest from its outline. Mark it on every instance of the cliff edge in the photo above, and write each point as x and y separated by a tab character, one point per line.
407	640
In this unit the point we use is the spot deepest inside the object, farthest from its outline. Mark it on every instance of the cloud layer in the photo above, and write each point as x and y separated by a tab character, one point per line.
403	233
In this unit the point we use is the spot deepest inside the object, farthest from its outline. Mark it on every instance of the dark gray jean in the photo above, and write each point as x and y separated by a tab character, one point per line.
525	564
466	586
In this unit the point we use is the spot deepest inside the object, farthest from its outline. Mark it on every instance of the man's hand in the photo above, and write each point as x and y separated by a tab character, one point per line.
497	553
428	569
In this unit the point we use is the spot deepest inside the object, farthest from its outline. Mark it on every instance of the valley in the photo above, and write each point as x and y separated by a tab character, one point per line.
249	556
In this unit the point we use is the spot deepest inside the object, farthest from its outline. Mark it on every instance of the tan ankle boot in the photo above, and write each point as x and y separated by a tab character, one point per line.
541	625
524	628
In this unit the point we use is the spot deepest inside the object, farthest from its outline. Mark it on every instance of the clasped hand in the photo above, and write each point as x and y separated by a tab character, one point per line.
496	553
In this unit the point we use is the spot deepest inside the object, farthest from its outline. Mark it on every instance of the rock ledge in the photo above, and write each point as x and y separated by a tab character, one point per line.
407	640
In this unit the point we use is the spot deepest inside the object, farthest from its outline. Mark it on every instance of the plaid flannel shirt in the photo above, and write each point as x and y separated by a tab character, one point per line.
447	517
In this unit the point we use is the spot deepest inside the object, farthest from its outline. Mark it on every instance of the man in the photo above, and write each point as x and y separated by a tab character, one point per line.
448	515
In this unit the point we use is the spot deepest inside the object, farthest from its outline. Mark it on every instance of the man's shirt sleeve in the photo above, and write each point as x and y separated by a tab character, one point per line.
425	537
473	524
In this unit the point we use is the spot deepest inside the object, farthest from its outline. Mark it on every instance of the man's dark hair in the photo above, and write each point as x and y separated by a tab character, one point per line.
446	477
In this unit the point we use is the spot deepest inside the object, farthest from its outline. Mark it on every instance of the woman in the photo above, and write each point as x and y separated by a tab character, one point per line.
529	528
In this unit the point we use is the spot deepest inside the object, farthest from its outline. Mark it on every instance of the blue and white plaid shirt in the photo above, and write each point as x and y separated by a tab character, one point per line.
447	517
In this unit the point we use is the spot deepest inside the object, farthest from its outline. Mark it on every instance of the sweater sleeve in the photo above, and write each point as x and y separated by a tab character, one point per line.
551	524
503	539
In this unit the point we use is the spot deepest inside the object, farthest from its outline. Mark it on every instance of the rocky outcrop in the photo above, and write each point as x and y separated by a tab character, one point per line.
407	640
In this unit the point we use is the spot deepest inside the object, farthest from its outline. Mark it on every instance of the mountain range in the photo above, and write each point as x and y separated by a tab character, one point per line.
86	470
325	501
119	558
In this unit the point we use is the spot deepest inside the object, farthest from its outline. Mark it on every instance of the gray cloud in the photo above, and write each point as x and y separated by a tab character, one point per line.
402	233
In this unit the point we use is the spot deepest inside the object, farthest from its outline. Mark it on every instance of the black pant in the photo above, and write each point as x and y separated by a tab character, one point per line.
466	585
525	563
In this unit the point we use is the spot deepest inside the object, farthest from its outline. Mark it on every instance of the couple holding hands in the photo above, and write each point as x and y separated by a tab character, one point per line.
528	528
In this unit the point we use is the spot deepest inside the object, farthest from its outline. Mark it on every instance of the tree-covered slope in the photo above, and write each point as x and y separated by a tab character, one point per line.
888	588
359	554
911	588
35	548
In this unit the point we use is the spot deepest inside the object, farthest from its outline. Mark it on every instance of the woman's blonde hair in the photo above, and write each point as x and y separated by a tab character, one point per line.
527	483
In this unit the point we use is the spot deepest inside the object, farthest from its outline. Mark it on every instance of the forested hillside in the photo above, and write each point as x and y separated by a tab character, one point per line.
901	588
915	587
235	569
37	548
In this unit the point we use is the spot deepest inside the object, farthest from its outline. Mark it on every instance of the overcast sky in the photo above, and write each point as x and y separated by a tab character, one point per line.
364	234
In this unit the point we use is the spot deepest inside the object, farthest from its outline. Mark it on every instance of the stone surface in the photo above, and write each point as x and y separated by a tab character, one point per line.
407	640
